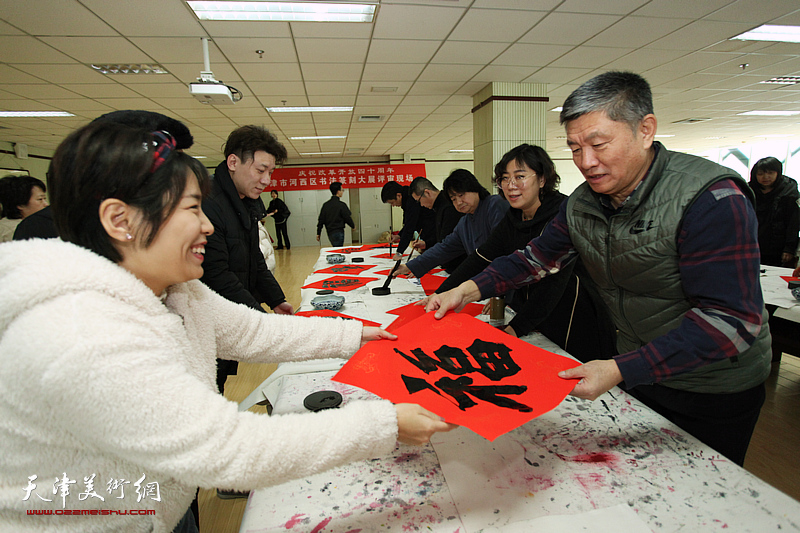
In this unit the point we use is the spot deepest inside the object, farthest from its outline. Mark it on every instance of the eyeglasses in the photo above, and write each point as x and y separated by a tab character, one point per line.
518	179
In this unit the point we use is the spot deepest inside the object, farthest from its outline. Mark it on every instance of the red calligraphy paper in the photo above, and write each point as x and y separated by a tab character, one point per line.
472	309
345	250
412	311
431	282
465	371
789	278
336	314
366	247
339	283
387	272
406	314
386	256
354	270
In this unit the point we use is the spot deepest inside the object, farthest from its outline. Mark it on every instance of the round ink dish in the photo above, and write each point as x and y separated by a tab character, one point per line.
325	291
334	302
334	258
358	260
324	399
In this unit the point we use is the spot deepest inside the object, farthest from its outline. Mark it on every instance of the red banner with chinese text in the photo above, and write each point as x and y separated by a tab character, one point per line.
308	178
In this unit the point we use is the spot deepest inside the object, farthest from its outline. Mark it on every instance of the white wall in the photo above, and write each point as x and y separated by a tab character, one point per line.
37	167
570	176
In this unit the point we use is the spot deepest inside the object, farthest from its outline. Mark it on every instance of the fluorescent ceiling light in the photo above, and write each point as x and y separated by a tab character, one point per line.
138	68
199	157
283	11
783	80
770	32
456	151
307	109
34	114
664	136
770	113
319	137
319	153
557	109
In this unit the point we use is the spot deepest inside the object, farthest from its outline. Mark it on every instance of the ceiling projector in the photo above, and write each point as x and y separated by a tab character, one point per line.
209	90
212	93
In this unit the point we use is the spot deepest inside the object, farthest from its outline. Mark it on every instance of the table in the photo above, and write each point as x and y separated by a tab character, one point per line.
784	311
613	456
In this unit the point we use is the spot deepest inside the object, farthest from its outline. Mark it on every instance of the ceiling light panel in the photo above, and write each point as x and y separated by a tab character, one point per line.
34	114
318	137
774	33
138	68
307	109
770	113
283	11
783	80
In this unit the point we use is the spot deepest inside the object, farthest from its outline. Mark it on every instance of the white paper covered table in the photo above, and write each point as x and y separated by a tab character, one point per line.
613	458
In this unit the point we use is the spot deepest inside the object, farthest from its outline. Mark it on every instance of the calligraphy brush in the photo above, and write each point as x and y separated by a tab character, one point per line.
384	289
416	239
412	253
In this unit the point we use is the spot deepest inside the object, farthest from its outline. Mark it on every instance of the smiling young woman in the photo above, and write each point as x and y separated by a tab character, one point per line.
108	343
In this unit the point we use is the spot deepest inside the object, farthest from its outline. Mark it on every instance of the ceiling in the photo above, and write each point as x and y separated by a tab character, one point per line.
437	53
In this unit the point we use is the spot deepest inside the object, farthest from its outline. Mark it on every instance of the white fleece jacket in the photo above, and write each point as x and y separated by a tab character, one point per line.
99	376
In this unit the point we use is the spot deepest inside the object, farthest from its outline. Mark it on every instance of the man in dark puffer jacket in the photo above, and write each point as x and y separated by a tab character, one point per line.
234	266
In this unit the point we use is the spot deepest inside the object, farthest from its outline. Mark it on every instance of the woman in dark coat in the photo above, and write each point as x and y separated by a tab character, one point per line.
564	307
777	211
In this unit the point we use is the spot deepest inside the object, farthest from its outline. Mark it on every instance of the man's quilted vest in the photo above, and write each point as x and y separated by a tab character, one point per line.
633	258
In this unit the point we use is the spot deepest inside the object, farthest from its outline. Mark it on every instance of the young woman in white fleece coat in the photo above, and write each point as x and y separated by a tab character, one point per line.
107	356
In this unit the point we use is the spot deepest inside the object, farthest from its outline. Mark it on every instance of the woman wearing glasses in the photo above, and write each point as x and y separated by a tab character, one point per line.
563	307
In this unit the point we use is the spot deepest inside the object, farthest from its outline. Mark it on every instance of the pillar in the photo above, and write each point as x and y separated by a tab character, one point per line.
505	115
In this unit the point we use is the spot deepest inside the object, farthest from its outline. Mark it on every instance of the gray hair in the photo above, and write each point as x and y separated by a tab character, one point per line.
419	185
623	96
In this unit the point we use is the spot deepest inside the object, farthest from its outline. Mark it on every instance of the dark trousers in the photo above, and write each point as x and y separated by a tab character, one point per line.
283	234
724	422
336	237
187	524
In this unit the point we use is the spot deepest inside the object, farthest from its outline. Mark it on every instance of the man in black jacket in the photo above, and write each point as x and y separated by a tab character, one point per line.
334	215
234	266
447	216
278	209
415	217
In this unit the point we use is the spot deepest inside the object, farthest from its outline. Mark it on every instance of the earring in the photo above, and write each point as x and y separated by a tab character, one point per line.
128	236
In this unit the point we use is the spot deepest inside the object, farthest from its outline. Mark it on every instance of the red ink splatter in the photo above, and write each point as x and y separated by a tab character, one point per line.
589	458
670	432
406	457
539	482
319	527
592	484
296	519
